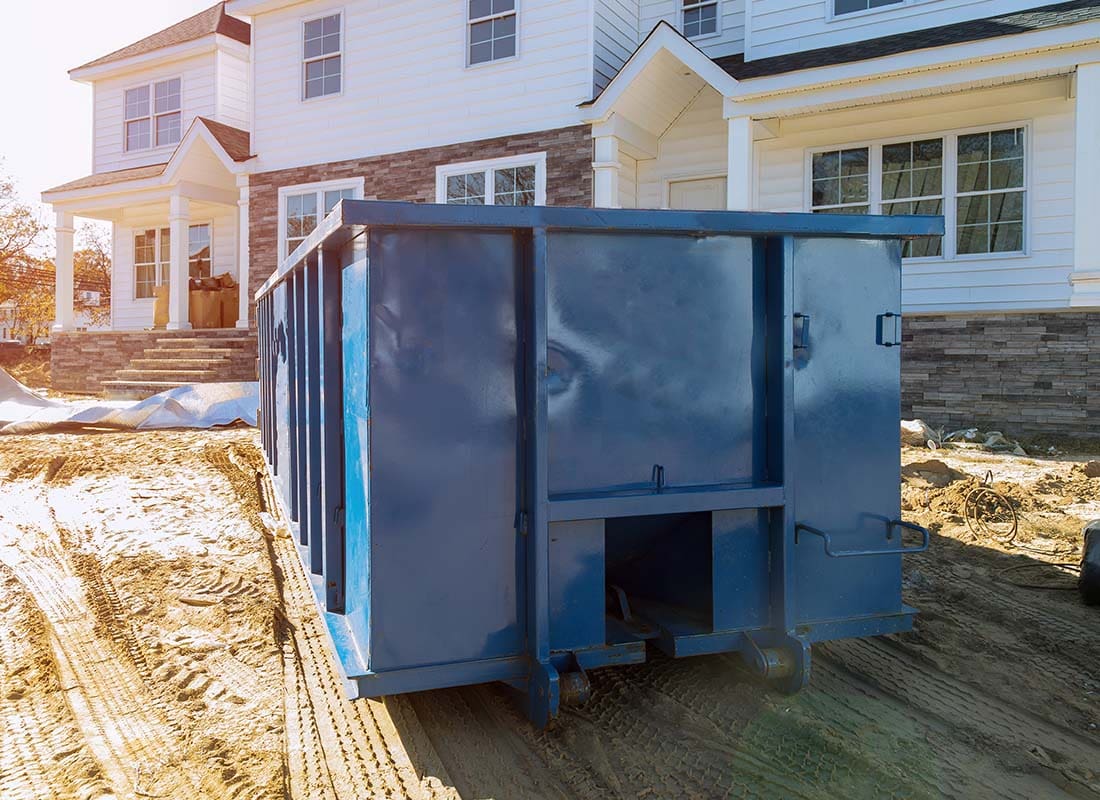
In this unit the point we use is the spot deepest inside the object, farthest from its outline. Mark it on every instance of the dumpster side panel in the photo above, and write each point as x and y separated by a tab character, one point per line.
284	407
655	357
847	399
446	556
357	465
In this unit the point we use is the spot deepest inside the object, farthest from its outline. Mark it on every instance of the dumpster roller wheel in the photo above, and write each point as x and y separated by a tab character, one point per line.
785	662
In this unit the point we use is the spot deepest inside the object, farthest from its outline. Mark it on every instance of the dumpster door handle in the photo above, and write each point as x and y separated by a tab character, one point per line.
801	331
890	526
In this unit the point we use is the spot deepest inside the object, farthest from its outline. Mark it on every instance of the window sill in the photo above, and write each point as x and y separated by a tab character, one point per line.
323	97
164	148
830	16
704	36
495	62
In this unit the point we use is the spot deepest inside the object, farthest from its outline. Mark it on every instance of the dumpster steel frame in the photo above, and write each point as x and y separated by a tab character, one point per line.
314	498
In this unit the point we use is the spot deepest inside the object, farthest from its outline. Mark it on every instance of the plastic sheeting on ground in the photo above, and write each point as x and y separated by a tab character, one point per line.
201	405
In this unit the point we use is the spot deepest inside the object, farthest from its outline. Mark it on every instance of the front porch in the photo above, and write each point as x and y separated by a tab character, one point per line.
174	226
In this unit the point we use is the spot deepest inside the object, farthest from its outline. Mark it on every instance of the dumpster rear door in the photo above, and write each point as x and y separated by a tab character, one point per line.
847	400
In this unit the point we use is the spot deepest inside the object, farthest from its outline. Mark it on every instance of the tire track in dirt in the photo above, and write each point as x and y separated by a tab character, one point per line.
888	666
121	722
42	754
335	748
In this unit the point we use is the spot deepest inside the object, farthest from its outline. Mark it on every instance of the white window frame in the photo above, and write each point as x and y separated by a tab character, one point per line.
303	62
319	188
469	28
717	18
949	189
832	16
157	254
488	165
152	116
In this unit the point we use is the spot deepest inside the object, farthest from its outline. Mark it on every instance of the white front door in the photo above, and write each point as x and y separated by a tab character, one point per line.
699	194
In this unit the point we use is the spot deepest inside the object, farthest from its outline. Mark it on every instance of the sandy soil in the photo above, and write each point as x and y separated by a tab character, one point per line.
158	639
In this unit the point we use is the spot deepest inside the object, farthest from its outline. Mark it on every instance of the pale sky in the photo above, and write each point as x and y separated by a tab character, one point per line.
46	119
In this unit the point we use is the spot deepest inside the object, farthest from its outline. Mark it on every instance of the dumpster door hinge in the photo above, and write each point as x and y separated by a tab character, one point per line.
521	523
888	329
338	516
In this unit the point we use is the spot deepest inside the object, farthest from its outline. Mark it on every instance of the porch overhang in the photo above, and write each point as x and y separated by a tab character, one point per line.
939	70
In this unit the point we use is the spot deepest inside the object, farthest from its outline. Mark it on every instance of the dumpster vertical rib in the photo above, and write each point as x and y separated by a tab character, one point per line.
299	388
543	681
331	410
311	517
291	367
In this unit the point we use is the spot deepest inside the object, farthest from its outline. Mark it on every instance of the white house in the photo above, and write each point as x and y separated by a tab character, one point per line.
987	112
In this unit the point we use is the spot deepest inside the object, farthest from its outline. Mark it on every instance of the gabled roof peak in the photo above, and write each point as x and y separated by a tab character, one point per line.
205	23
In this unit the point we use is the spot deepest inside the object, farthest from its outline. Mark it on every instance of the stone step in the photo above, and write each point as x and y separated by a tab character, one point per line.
240	342
170	375
217	364
136	390
225	353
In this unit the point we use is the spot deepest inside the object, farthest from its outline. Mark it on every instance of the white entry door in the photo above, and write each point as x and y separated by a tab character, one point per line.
698	194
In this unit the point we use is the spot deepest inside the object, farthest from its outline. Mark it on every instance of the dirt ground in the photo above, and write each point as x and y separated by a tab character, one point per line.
158	639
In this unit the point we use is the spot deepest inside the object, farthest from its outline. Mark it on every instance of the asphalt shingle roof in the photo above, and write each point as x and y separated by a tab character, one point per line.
1050	16
213	20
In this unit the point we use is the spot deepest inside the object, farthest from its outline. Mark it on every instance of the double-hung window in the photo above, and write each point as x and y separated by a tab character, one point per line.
491	28
322	57
977	180
153	115
512	181
152	257
700	17
303	207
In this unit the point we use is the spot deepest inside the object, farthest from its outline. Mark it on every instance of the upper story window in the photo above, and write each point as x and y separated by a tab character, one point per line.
492	30
851	6
510	181
322	56
700	17
153	115
977	180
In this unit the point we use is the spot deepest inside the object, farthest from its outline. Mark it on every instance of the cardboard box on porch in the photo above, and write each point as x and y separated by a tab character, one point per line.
160	306
206	309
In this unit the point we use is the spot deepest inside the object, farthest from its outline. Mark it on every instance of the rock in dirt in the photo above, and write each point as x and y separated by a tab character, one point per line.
1090	469
915	433
932	472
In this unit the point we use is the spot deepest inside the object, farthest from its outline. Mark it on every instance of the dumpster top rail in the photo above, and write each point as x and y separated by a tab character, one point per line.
351	217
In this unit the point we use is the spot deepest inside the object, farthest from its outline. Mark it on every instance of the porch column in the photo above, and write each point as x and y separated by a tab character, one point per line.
1086	189
605	187
64	315
179	222
243	253
739	164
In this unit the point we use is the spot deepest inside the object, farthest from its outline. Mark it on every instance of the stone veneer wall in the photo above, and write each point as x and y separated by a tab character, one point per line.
1024	374
411	176
81	361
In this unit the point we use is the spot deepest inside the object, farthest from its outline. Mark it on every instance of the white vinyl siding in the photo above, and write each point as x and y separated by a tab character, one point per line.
781	26
428	96
727	40
234	101
615	36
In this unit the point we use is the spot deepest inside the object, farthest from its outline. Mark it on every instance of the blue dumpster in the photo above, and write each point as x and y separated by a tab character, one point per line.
519	444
